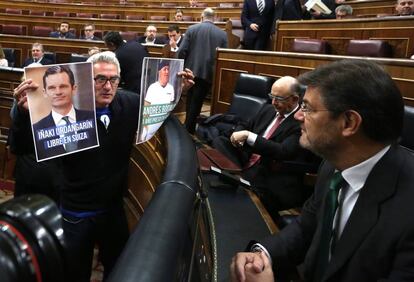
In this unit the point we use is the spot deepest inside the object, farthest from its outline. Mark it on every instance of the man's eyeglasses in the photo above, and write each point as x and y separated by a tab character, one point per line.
278	98
101	80
306	110
88	29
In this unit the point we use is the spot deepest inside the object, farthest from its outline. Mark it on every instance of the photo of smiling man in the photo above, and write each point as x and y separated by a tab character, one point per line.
162	95
63	120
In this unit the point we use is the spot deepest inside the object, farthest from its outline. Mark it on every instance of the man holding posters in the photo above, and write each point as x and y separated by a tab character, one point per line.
94	181
65	129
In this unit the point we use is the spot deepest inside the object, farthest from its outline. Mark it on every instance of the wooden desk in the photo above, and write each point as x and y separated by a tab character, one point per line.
231	62
397	31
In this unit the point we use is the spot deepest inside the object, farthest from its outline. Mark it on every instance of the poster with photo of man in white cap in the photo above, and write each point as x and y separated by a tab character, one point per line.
160	93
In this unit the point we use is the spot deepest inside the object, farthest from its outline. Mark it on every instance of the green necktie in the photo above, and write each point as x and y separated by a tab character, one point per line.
331	204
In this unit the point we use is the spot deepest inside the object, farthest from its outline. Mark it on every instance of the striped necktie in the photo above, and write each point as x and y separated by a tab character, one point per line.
260	6
71	145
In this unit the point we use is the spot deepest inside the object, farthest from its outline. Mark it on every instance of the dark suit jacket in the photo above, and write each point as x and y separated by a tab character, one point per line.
250	14
130	56
158	40
280	186
377	243
67	35
43	150
282	145
44	61
287	10
199	48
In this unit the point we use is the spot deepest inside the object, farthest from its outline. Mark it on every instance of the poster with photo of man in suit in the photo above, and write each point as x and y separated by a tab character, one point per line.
160	92
62	109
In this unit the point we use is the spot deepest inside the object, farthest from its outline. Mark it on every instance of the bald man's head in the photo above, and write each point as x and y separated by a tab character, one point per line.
285	94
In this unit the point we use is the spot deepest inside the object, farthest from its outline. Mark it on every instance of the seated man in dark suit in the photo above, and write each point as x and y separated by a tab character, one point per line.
358	225
37	56
89	33
59	86
63	32
261	146
150	36
175	37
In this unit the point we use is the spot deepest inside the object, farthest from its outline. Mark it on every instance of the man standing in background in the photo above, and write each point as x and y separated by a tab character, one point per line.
257	19
199	51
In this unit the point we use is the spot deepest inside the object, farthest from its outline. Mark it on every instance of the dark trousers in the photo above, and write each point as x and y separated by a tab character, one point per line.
195	99
109	231
256	40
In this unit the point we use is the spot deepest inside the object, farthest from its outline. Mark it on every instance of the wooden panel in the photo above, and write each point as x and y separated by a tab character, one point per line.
277	64
372	7
397	31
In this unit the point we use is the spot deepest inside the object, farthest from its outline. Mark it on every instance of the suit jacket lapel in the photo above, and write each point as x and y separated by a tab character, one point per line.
380	185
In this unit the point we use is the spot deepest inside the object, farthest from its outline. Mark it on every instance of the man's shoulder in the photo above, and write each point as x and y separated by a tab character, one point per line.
45	122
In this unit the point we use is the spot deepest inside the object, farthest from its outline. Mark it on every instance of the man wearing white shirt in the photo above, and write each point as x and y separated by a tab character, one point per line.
37	56
159	92
351	115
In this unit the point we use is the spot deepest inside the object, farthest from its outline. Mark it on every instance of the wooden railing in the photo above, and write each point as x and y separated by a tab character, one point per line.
397	31
231	62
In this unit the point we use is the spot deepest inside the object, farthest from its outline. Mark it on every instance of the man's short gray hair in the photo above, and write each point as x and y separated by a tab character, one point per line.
39	45
344	8
105	57
208	14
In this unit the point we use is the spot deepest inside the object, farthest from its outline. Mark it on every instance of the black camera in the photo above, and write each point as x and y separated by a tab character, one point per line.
31	240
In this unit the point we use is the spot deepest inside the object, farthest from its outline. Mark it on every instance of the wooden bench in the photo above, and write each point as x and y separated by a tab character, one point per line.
29	21
371	7
397	31
146	11
63	48
231	62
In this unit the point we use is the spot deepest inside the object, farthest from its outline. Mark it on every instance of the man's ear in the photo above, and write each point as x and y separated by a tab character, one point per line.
352	122
74	89
44	93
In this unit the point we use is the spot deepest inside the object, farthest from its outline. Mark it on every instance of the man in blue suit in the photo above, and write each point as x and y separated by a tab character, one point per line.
63	32
65	129
257	20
